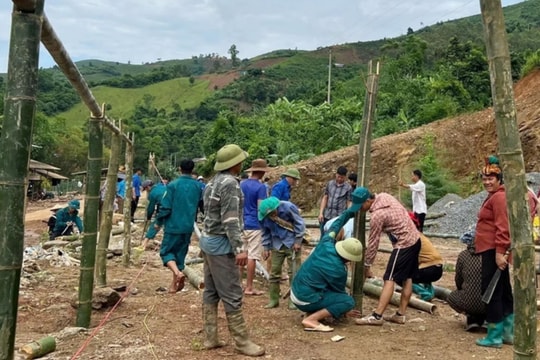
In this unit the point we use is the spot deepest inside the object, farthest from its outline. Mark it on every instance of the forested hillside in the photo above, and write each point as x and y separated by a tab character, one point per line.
275	104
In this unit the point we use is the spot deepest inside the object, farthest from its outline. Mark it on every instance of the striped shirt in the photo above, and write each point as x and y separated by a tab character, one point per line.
338	196
389	216
223	204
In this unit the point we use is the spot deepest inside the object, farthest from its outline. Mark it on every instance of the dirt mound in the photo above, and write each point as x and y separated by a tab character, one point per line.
461	144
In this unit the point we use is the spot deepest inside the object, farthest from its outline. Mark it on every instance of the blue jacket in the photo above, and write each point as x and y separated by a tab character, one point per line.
179	205
275	236
324	270
282	190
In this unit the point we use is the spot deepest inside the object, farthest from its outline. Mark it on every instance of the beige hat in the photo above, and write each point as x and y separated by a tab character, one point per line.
258	165
350	249
292	172
57	207
229	156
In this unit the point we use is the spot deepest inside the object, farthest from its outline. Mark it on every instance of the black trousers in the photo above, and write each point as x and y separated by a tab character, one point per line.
502	302
421	218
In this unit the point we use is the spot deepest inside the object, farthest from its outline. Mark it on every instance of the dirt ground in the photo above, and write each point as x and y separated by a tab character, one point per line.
152	324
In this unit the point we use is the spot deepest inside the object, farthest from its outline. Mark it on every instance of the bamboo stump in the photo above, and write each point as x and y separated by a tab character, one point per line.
39	348
195	277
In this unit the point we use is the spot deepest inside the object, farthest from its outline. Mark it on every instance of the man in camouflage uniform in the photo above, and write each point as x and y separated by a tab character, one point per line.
222	251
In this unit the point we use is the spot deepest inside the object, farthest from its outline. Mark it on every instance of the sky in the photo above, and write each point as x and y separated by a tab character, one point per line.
144	31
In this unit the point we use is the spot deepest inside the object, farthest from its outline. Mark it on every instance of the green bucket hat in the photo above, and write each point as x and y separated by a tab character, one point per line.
292	172
75	204
350	249
228	156
267	206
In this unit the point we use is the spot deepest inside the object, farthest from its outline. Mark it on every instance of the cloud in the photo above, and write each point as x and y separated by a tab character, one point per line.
142	31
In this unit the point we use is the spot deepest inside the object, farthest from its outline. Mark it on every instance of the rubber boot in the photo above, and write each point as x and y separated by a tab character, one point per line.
274	296
209	312
290	304
422	292
238	330
494	336
508	330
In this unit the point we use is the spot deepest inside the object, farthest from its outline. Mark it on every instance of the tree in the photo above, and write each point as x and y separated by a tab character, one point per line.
234	55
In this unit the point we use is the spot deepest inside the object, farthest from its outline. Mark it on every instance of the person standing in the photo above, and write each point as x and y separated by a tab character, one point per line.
177	213
336	198
221	247
418	189
282	189
66	218
282	231
492	242
388	215
254	192
155	195
136	191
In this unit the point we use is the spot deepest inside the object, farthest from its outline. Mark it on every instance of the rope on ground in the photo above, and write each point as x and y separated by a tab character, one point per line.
102	322
149	332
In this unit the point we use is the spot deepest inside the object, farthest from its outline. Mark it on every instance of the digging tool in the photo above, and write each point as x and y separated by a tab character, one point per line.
486	298
145	229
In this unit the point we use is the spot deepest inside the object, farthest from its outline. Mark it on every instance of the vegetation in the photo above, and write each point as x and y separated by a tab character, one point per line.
276	108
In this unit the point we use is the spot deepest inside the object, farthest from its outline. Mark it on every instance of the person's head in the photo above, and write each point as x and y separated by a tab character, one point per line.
341	174
165	179
349	249
230	157
292	175
147	185
55	208
200	179
468	238
361	199
138	171
416	175
258	168
74	205
267	207
187	166
492	176
353	178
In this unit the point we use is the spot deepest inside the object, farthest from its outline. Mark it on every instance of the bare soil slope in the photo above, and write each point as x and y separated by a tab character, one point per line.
461	142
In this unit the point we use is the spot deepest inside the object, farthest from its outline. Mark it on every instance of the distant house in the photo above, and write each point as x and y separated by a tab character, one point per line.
37	172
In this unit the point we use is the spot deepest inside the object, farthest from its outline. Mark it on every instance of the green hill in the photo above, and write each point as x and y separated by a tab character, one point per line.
123	101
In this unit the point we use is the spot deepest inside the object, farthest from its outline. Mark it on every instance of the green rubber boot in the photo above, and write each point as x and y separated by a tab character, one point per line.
274	296
238	330
211	341
494	336
508	330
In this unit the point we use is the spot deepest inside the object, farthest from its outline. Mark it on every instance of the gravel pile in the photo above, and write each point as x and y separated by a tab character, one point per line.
461	213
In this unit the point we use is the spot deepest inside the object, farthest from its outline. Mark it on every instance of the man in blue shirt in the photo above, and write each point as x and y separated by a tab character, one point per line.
282	231
282	189
136	189
254	192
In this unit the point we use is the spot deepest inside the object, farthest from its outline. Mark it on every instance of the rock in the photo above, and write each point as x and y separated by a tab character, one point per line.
102	298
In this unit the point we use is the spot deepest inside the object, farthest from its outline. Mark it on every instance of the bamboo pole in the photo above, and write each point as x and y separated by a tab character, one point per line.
127	204
364	169
372	289
91	213
39	348
513	166
107	212
195	277
15	145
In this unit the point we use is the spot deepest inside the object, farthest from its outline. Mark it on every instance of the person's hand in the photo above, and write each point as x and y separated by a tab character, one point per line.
69	223
367	272
265	254
501	261
157	227
353	313
297	247
241	259
320	218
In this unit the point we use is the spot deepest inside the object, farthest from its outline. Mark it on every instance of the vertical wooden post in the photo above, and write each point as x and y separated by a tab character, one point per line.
107	211
91	213
15	145
513	165
127	213
364	169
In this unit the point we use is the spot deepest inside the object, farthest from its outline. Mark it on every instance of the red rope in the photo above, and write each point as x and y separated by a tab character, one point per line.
124	295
